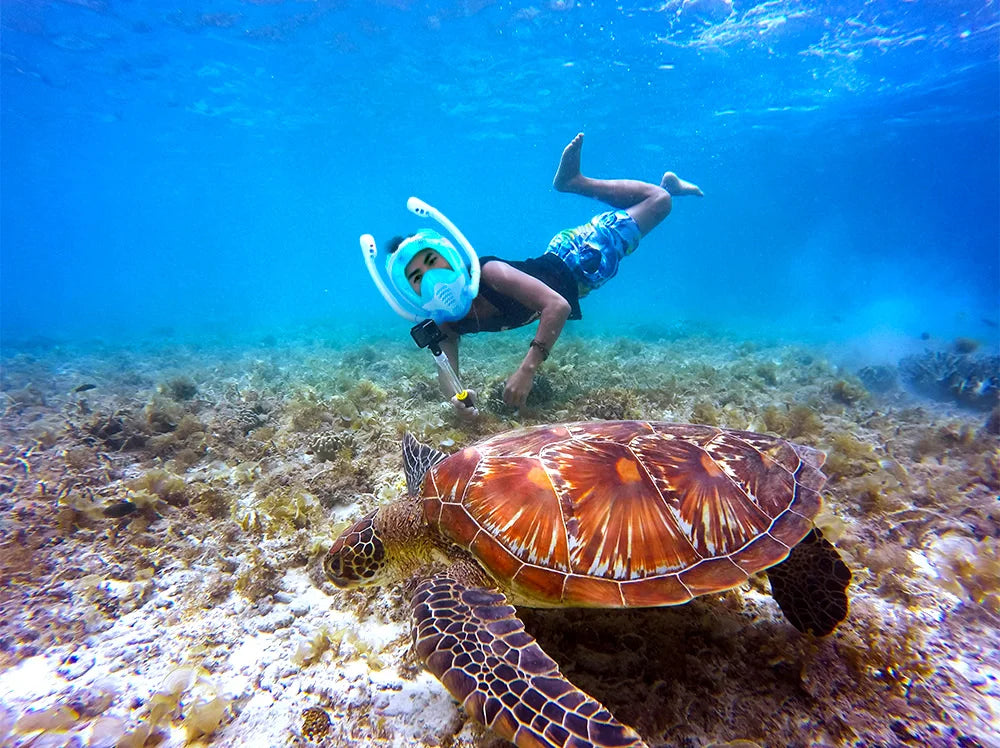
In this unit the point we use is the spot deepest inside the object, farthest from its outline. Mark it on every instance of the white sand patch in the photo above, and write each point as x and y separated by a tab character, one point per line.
247	656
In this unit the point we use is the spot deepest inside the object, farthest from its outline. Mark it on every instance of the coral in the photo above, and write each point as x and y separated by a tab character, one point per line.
83	482
333	445
878	378
964	379
315	723
250	416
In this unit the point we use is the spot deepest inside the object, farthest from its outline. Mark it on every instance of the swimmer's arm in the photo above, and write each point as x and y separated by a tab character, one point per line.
552	307
553	310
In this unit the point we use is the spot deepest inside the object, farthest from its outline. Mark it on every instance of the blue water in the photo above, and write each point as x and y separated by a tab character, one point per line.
206	168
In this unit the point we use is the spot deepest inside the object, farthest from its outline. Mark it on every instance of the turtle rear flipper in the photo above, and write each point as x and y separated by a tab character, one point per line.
810	585
471	639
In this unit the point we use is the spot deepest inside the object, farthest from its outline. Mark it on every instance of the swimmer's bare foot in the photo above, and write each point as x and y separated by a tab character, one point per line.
568	174
677	187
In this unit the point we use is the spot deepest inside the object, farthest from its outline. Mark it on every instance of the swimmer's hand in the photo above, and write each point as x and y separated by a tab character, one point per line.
518	386
466	408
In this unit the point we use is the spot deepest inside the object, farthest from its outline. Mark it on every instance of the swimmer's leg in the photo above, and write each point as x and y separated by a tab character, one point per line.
648	204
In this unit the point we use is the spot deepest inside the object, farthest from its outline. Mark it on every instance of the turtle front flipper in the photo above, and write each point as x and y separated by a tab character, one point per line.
471	639
810	585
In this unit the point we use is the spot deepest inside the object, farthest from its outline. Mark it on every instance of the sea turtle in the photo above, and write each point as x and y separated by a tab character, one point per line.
606	514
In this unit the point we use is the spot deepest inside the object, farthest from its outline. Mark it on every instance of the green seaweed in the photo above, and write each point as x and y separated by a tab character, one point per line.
286	509
610	404
767	372
188	696
167	486
848	392
257	577
793	422
179	388
187	442
970	569
706	413
849	457
212	501
307	414
163	415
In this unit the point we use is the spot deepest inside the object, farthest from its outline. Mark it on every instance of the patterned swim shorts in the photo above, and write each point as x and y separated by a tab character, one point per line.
592	251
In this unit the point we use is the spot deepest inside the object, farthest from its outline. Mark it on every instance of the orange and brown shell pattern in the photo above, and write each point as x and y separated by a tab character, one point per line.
624	513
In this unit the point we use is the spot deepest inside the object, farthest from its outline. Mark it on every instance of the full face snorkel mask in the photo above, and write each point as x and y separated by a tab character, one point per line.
445	294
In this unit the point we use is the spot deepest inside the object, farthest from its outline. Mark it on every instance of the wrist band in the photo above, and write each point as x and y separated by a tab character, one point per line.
542	348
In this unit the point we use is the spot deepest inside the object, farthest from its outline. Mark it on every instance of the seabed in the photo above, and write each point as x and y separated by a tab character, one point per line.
165	511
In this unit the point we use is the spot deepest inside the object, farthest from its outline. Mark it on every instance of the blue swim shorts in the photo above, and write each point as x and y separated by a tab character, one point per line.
592	251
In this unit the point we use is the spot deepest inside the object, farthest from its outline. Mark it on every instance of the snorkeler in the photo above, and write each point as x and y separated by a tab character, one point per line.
430	278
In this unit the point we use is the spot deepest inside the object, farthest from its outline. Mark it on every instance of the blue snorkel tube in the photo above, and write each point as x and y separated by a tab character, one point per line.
426	333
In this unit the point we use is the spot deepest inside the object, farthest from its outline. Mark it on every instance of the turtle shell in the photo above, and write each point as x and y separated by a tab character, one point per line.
624	513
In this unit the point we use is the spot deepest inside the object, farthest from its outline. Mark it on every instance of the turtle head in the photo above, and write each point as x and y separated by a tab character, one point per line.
357	558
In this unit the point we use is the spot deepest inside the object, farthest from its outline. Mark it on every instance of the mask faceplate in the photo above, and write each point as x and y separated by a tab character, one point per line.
445	293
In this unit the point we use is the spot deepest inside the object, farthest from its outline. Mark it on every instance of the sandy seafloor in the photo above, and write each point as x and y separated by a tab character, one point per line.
164	510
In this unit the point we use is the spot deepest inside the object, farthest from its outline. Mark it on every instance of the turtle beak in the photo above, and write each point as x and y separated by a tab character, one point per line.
334	565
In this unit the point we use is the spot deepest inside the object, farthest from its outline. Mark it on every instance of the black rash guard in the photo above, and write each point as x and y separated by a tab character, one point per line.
549	269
